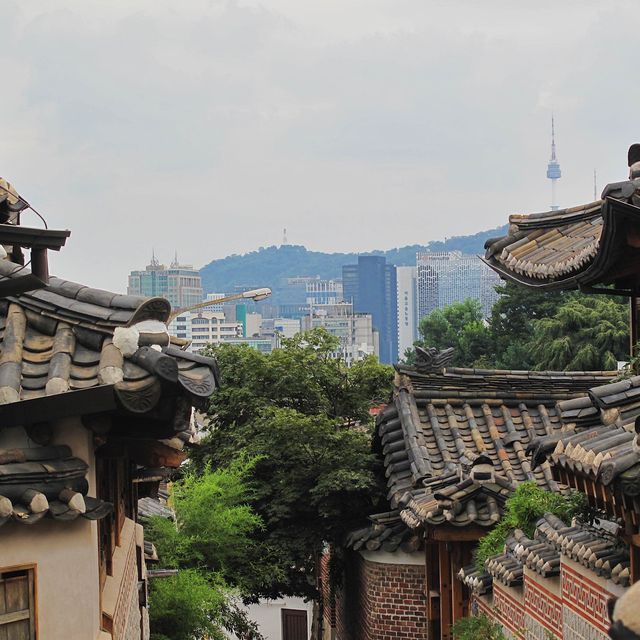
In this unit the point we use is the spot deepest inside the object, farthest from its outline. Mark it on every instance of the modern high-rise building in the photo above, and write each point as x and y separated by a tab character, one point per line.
371	286
179	283
406	306
447	277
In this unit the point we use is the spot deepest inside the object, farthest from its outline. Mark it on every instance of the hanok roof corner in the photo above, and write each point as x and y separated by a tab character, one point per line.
70	350
454	440
596	243
65	338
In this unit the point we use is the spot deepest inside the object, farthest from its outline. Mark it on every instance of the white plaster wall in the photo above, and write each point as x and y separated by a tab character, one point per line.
269	618
65	553
395	557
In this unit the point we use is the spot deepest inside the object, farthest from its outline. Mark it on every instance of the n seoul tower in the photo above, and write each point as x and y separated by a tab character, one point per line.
553	168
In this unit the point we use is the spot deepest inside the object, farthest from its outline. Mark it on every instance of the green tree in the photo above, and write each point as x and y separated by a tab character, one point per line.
459	325
513	317
585	333
303	416
186	607
209	540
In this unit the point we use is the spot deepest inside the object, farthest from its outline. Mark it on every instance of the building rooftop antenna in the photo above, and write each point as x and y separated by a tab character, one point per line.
553	167
154	260
174	264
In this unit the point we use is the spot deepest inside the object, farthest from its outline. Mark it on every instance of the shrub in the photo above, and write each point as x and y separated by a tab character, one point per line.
528	504
478	627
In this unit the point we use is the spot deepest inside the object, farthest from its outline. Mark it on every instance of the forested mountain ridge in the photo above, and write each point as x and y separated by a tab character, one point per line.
270	266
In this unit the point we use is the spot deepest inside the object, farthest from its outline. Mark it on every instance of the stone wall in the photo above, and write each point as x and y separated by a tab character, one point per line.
382	598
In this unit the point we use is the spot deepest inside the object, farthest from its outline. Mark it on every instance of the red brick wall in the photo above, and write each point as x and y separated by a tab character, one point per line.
378	602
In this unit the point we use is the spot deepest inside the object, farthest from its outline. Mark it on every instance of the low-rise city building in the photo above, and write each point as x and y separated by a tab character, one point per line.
204	327
355	330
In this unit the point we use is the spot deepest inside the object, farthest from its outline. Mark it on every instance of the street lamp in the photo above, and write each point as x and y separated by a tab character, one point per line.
254	294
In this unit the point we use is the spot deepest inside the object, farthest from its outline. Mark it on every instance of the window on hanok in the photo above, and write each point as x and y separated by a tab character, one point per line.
17	605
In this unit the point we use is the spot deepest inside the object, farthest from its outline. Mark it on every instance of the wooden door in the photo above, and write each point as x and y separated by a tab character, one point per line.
294	624
17	608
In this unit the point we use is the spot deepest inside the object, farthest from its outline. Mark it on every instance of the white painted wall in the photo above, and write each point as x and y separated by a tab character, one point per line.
65	553
269	617
406	305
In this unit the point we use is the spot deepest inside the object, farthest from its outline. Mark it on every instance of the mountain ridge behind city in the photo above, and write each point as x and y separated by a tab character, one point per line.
271	266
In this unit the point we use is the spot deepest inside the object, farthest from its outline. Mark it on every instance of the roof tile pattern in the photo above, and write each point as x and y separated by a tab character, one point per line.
550	245
568	248
46	481
454	441
599	439
65	338
596	549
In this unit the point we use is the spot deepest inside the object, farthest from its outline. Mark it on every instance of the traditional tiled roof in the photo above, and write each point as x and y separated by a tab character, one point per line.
386	532
45	481
69	337
596	548
454	440
70	350
568	248
154	507
603	447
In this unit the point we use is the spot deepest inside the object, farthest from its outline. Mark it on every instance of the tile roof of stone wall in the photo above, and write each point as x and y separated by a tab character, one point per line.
599	439
597	549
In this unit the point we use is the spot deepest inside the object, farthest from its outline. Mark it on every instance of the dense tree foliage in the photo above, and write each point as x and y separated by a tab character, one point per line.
209	540
531	329
587	332
303	417
513	317
459	326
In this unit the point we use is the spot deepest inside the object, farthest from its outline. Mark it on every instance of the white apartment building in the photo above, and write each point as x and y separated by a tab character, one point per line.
285	327
203	327
406	278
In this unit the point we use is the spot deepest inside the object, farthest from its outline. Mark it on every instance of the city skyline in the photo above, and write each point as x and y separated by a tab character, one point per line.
354	114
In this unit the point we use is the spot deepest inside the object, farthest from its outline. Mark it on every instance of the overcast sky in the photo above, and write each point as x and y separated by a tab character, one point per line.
208	126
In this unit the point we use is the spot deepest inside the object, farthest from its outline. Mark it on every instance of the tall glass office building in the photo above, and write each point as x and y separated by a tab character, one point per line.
371	286
447	277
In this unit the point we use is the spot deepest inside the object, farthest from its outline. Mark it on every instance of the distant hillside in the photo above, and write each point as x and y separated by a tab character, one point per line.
270	266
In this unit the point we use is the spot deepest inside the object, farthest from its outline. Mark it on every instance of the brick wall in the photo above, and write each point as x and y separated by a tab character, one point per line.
377	601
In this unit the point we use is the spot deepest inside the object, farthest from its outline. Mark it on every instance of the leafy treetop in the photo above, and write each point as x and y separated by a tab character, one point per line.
303	416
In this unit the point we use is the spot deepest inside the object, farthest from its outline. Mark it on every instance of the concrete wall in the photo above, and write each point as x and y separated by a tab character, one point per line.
268	615
65	554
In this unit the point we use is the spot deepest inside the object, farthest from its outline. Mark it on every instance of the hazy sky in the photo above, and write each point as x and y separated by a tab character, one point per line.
209	126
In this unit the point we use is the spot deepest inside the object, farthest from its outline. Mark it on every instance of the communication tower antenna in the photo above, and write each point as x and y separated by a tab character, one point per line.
553	168
284	236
